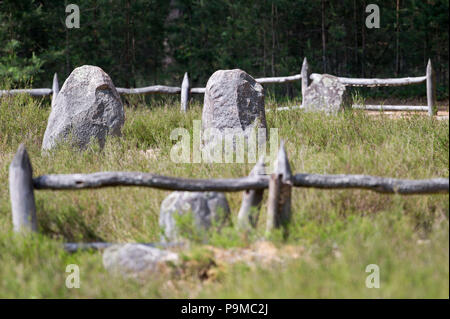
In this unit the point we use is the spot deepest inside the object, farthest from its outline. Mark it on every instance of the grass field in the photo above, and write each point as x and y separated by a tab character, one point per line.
338	232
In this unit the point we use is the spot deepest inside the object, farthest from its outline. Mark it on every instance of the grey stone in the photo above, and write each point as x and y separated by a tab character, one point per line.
233	101
137	260
88	106
325	94
207	208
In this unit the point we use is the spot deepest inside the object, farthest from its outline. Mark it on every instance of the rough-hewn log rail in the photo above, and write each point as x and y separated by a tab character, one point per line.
32	92
391	107
381	82
103	179
405	108
373	183
198	90
280	79
151	90
387	108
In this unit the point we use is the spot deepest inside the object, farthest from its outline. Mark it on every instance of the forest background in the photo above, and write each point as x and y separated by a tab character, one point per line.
141	43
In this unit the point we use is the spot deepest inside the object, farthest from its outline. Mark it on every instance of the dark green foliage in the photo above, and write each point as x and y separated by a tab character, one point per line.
154	42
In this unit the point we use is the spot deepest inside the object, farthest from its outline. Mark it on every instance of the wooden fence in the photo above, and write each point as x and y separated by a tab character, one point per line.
22	185
185	90
429	78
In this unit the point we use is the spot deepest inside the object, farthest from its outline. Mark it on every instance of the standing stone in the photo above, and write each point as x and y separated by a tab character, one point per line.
326	93
206	208
88	106
233	101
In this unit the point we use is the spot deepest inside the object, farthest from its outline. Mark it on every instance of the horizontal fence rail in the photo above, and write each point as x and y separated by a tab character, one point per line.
176	90
382	82
373	183
32	92
405	108
106	179
151	90
418	108
198	90
280	79
185	90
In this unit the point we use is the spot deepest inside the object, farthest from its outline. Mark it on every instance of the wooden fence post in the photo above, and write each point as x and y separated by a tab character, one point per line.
185	93
251	201
305	77
272	203
55	88
21	192
431	90
280	189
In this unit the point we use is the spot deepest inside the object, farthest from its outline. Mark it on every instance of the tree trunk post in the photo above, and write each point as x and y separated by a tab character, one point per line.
280	189
185	93
55	88
251	201
22	193
305	77
431	90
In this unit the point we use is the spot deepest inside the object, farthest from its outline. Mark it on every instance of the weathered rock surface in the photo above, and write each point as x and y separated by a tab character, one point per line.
136	260
207	208
325	94
143	262
88	106
233	101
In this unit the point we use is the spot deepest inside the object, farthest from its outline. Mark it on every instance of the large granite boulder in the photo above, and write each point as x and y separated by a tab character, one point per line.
234	102
326	93
137	260
202	209
88	106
